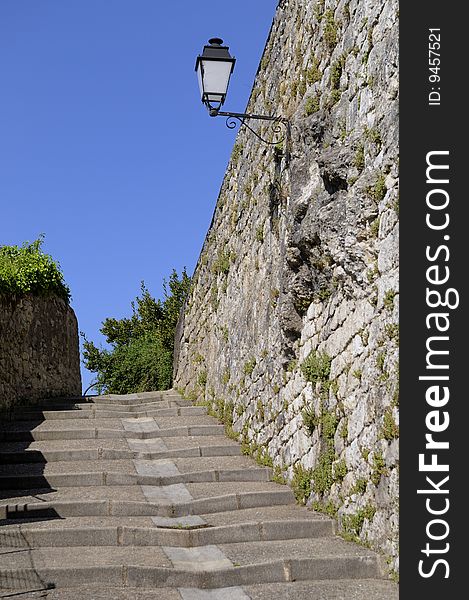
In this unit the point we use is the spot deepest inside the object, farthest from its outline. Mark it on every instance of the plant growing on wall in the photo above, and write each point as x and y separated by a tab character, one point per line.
141	354
27	269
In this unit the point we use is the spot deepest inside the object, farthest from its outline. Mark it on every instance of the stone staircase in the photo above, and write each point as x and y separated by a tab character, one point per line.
142	496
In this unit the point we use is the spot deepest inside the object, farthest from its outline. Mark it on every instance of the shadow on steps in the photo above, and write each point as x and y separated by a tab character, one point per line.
15	441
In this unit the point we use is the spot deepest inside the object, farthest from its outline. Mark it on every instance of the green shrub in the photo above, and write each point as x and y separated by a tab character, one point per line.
311	105
330	30
353	523
359	160
226	376
322	475
313	74
388	299
340	470
336	73
379	468
329	423
317	367
141	354
378	191
202	379
328	508
310	419
359	486
221	264
249	366
27	270
301	483
390	430
142	365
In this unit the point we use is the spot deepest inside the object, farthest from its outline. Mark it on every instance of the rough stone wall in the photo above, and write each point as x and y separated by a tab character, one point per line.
39	350
291	331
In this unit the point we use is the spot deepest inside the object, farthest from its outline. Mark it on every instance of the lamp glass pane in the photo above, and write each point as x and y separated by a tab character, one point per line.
215	78
199	79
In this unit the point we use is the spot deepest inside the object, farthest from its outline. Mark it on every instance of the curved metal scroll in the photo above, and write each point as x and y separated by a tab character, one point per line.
276	123
95	384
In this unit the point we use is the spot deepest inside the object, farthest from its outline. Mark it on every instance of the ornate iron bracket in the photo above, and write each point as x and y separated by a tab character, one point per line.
280	127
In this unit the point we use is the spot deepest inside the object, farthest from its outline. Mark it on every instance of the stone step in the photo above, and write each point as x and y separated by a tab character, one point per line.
136	567
165	494
104	433
27	537
128	464
260	514
137	399
342	589
181	417
135	493
120	442
102	404
369	589
100	453
114	412
110	478
24	507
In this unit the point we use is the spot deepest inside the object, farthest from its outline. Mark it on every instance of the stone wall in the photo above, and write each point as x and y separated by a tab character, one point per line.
39	350
290	332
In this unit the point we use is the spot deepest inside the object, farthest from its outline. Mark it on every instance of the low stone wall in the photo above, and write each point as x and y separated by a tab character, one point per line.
39	350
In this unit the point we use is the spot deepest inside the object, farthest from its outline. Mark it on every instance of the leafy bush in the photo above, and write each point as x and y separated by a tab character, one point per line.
27	270
316	367
144	364
301	483
141	354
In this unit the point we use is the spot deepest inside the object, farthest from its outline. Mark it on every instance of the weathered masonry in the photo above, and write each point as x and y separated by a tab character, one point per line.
291	330
39	355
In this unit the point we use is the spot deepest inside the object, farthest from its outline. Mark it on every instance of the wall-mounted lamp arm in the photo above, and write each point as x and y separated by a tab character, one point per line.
277	124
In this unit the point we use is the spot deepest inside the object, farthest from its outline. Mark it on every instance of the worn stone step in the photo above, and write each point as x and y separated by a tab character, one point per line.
139	492
179	494
108	405
111	478
70	434
26	537
27	507
100	453
95	592
20	470
98	462
285	513
64	445
137	399
180	417
344	589
54	567
84	433
111	412
119	442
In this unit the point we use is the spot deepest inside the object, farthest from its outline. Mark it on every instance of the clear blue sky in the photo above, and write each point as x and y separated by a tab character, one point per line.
105	146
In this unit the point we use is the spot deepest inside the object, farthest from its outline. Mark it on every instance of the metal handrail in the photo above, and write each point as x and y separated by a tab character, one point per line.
90	387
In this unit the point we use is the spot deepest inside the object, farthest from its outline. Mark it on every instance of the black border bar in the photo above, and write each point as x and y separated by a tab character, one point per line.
434	361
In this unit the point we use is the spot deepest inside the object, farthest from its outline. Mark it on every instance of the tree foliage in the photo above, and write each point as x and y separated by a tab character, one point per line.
27	269
141	354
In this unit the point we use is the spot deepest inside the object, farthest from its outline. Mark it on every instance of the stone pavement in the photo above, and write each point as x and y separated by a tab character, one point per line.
143	496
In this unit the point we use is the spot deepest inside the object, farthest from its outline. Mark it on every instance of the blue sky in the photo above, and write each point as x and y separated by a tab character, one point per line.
105	146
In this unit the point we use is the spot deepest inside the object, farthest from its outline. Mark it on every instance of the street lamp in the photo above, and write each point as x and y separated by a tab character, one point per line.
214	67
